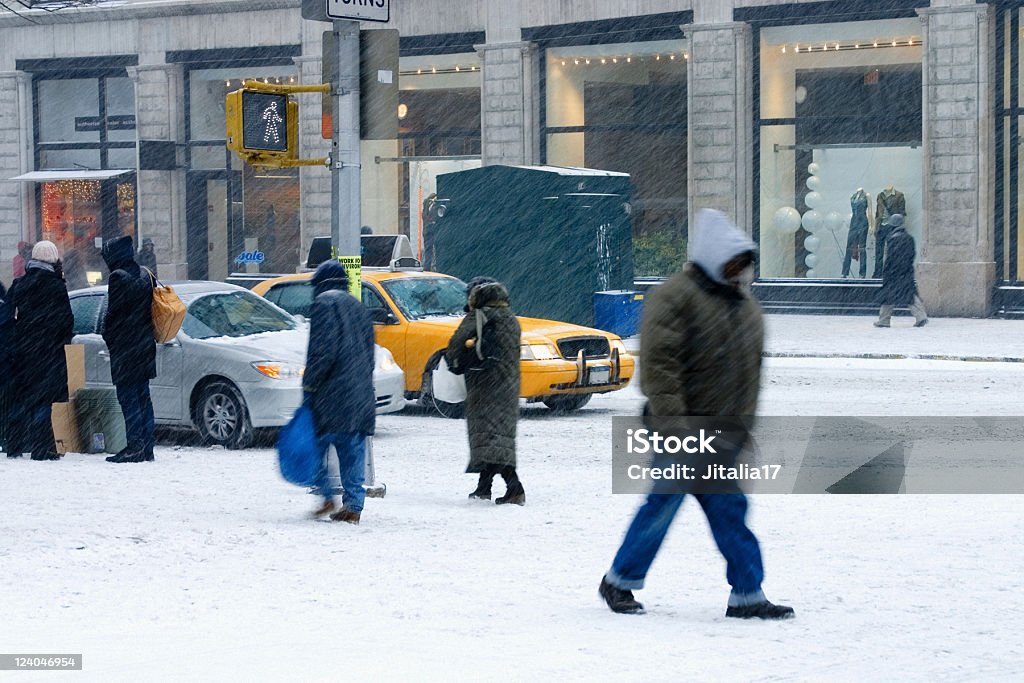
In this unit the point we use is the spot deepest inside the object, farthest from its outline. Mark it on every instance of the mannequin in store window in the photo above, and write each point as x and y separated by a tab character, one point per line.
890	202
857	237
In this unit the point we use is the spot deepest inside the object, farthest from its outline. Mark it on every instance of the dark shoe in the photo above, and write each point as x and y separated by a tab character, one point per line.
878	324
14	455
618	600
515	495
46	456
346	515
150	457
761	610
483	486
921	323
133	456
480	495
118	457
327	508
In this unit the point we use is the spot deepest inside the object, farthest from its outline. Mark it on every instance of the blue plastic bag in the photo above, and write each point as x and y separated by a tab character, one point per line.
298	452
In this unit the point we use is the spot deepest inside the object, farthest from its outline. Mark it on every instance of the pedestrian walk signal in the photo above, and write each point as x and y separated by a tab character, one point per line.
263	127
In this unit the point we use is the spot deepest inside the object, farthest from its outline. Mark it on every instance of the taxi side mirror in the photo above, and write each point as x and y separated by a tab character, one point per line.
383	316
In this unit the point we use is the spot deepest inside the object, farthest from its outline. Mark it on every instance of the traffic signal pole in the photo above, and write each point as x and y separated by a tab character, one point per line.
346	215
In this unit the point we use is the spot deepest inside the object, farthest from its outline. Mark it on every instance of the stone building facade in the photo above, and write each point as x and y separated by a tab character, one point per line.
708	103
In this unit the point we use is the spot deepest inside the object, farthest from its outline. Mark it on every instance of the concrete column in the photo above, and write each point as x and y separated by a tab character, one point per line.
314	181
16	205
719	92
956	269
509	103
160	199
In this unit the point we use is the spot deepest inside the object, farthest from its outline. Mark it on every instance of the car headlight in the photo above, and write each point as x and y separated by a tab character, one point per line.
275	370
617	345
538	351
385	361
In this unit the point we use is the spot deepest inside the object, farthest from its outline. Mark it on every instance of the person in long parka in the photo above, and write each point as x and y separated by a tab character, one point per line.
899	288
485	348
6	368
128	332
338	386
43	325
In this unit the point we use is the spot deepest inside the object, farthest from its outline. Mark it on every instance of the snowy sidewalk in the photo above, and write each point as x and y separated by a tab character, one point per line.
820	336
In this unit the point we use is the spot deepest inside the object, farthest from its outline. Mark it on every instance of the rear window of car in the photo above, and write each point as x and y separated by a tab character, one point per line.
86	310
233	314
294	297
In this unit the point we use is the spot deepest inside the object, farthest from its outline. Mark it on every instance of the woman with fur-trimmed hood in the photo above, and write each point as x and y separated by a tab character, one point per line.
485	348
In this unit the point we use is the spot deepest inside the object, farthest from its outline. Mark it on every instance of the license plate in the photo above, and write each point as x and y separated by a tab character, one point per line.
599	375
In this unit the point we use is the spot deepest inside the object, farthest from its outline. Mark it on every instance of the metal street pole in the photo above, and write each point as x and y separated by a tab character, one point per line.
345	160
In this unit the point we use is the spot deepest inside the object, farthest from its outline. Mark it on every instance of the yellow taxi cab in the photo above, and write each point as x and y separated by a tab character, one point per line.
415	313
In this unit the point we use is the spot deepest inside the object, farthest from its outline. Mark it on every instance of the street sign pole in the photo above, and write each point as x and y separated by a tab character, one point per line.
346	215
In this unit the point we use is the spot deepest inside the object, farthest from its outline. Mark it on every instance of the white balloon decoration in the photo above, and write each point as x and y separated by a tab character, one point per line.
812	243
814	169
812	221
813	200
835	221
811	260
787	220
813	183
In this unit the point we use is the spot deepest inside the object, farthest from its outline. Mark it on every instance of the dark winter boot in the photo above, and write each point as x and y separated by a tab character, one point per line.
761	610
119	456
514	493
346	515
46	456
133	456
618	600
483	487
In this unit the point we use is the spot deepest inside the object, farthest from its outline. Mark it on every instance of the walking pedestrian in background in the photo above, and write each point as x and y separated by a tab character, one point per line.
338	386
43	325
21	259
700	355
485	348
899	288
147	256
6	368
128	332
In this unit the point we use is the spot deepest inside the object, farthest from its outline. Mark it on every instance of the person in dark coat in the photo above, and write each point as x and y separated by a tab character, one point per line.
898	285
43	325
338	386
6	368
700	355
74	270
147	255
128	332
21	258
485	348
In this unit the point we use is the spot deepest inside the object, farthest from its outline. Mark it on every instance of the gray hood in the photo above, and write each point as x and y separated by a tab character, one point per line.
715	241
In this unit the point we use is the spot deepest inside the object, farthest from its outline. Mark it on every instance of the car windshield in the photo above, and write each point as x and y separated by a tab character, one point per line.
420	297
233	314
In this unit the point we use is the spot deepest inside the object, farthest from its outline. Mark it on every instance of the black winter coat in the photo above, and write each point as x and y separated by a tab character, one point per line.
339	365
6	338
43	326
898	285
492	394
128	325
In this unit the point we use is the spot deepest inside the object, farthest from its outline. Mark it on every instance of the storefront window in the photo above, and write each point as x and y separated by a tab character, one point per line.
1010	155
622	107
438	116
840	145
240	218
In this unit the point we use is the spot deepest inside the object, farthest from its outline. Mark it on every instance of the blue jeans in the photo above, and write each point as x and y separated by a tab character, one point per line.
351	449
137	408
726	513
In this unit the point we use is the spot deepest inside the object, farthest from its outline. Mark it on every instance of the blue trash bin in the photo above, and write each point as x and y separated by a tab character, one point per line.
618	311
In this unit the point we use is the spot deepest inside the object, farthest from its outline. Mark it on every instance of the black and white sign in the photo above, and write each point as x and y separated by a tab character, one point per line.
360	10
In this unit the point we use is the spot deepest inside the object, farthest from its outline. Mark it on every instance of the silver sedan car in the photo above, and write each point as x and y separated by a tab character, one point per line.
236	364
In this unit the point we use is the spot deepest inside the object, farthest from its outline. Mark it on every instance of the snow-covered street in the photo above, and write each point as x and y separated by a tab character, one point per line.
203	565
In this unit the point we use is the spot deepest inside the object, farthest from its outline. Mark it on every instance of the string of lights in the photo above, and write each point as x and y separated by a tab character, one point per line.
623	59
829	46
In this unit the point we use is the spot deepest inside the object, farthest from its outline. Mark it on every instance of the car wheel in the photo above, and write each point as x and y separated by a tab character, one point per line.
567	403
427	400
221	416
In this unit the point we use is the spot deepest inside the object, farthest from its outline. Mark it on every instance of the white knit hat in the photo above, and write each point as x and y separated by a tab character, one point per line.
46	252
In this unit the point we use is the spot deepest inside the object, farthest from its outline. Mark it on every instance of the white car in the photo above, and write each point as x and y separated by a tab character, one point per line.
236	364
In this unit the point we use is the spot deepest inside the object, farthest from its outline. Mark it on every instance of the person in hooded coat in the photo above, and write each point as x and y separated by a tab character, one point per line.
6	367
701	340
43	325
338	386
899	288
128	332
485	348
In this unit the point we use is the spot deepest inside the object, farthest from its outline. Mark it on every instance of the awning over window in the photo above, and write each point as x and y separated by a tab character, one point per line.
51	176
